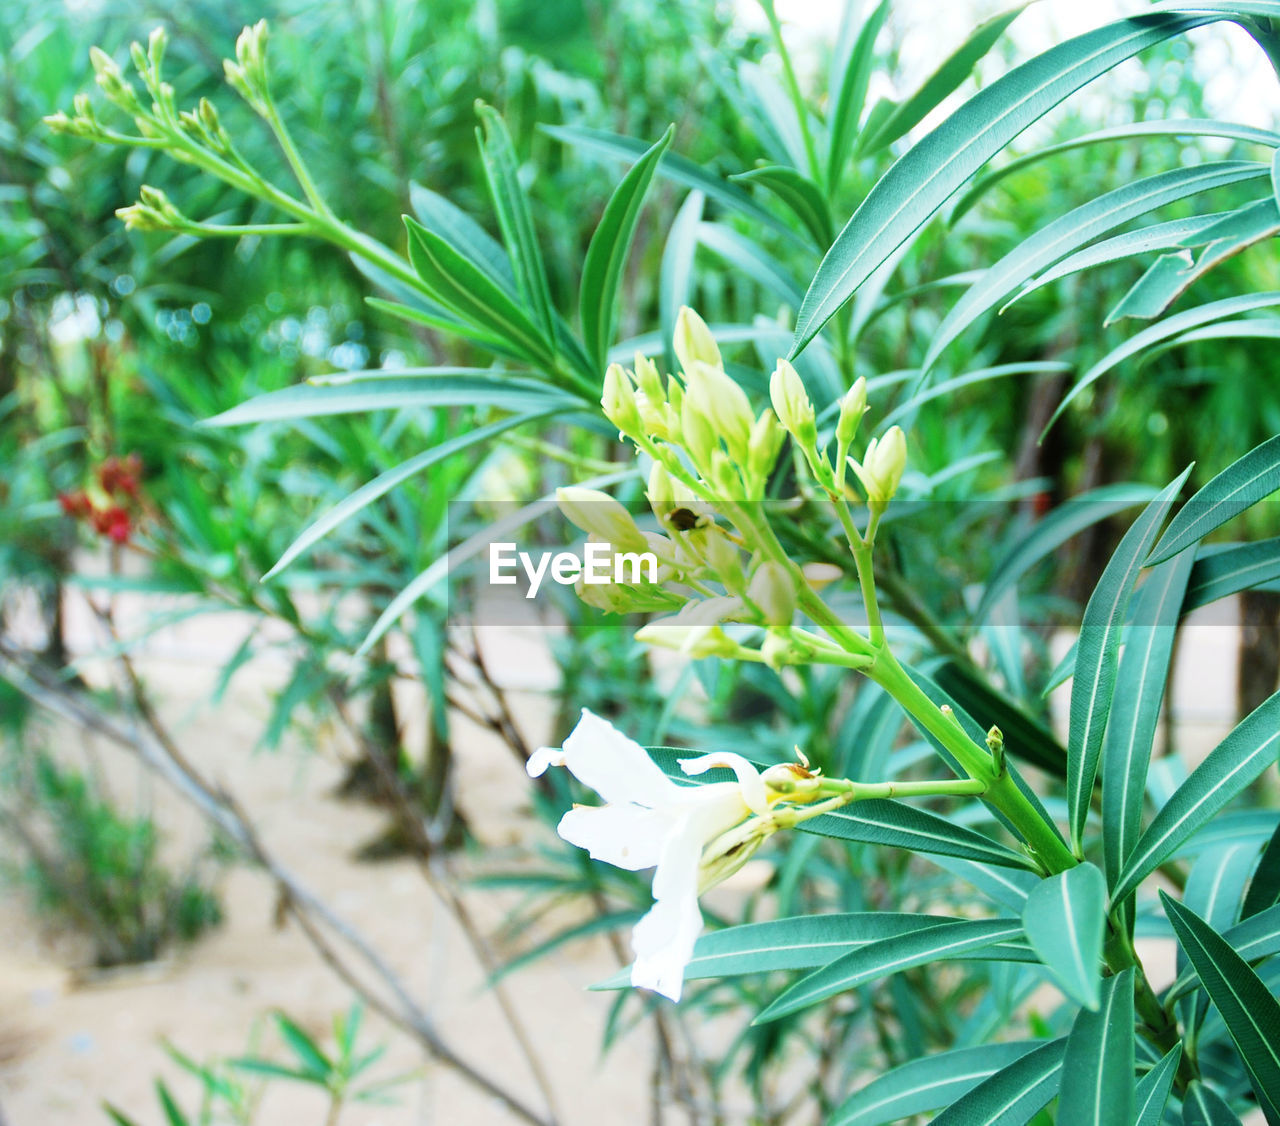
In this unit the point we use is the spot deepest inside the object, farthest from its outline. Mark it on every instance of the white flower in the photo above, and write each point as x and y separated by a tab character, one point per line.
649	820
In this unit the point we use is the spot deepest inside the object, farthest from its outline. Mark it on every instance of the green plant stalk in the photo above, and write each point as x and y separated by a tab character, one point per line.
793	88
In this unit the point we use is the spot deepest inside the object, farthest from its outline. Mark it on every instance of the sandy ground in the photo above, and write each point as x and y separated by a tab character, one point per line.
68	1041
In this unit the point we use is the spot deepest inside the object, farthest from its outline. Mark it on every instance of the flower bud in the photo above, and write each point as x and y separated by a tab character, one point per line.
648	379
779	649
156	44
852	408
660	492
693	641
774	592
723	559
599	515
694	342
763	446
723	403
819	576
791	404
696	433
882	466
619	401
725	478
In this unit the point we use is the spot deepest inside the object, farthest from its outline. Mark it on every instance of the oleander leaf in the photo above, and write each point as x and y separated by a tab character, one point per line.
801	196
1231	766
889	956
927	1083
1264	887
1152	1092
608	249
919	183
1203	1106
1250	1012
1099	1059
1065	919
1225	569
1097	656
1014	1094
1242	484
850	73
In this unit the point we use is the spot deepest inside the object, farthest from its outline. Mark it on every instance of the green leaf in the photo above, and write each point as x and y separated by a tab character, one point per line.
673	167
927	1083
912	191
1187	127
1202	1106
1250	1012
888	956
1152	1092
1242	484
442	321
117	1117
752	261
675	284
1159	236
947	78
1157	333
805	942
314	1062
607	252
1171	275
1097	656
801	196
850	74
1050	533
1068	232
1014	1094
385	482
1135	709
1099	1059
1065	918
1264	888
1254	939
464	234
512	206
172	1112
468	291
1224	569
416	388
1231	766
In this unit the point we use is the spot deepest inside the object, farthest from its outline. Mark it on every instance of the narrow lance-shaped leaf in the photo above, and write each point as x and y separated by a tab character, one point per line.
1242	484
801	196
1250	1012
1099	1059
675	283
1014	1094
850	74
1097	656
1203	1106
512	207
469	292
1254	938
912	190
1135	711
924	1084
954	70
1231	766
1152	1091
879	959
1264	887
1157	334
385	482
1065	918
607	252
1225	569
1077	227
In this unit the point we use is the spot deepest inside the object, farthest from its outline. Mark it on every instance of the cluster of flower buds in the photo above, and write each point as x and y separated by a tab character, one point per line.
704	412
111	505
247	76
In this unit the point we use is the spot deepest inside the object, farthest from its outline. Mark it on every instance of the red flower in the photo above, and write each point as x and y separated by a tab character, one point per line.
76	504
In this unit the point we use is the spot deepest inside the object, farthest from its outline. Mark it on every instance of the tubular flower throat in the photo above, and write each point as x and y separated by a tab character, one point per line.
694	836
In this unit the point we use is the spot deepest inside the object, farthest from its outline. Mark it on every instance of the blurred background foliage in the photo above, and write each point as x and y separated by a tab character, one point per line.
113	344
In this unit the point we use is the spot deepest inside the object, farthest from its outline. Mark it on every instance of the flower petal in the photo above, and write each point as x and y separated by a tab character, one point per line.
541	759
663	940
752	785
617	768
626	836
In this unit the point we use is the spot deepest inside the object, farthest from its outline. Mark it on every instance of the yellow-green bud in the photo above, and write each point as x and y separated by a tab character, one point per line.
774	593
156	44
724	559
791	404
763	446
723	403
140	62
819	576
852	408
693	641
779	649
694	342
660	492
619	401
599	515
725	477
882	466
696	433
648	379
